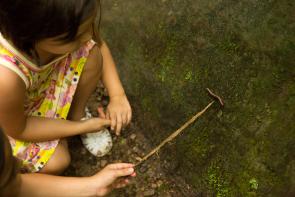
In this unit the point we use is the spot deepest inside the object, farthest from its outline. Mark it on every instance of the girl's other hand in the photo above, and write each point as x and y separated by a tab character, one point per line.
119	112
108	178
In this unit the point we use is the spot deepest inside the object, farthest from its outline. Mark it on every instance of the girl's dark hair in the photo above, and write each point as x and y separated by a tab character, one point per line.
25	22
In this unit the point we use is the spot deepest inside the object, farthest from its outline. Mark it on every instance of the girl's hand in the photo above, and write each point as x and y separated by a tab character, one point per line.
119	112
107	179
95	124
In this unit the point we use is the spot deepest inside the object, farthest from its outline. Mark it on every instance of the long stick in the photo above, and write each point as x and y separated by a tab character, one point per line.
174	134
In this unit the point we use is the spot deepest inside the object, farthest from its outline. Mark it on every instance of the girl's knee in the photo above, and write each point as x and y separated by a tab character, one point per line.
59	161
57	166
63	158
65	161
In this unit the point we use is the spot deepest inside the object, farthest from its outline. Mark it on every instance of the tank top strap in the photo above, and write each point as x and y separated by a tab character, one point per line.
10	61
7	60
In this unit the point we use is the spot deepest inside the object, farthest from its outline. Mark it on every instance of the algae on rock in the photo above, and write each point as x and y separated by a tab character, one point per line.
169	51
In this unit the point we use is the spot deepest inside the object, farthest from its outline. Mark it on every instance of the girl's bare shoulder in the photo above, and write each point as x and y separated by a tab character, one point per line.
11	85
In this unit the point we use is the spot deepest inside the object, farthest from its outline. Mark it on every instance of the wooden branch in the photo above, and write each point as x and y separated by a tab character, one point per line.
174	134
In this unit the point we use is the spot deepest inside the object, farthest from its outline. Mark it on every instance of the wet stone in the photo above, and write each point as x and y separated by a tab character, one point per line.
133	136
136	149
149	192
103	163
154	185
83	151
143	169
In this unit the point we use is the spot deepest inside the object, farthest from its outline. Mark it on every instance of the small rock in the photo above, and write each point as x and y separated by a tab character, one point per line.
154	185
97	163
138	194
135	149
133	136
149	192
159	183
83	151
151	172
143	169
103	163
167	195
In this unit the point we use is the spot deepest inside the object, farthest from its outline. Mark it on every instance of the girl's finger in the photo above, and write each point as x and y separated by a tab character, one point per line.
113	121
129	116
119	124
124	120
108	115
101	113
119	166
133	174
124	172
121	183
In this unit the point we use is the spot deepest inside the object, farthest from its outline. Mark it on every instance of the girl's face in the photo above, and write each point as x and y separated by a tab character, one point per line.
56	46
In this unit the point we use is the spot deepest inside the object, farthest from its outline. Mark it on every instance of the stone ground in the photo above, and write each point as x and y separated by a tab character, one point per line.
151	180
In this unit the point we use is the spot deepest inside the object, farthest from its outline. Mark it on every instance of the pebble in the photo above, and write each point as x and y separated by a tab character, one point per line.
133	136
149	192
97	164
135	149
143	169
103	163
154	185
159	183
167	195
83	151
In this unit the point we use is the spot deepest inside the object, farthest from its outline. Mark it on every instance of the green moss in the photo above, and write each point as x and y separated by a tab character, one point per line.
253	184
189	75
243	51
217	182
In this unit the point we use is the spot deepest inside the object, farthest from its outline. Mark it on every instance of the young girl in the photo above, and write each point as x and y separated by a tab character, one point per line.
51	60
36	184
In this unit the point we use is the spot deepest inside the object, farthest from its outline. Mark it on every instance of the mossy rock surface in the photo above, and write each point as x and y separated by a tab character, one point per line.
169	51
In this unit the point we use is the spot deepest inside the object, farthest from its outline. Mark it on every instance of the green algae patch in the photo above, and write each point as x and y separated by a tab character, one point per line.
168	52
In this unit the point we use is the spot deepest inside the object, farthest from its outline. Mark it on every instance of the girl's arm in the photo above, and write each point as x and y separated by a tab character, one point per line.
119	110
34	129
35	185
110	75
55	128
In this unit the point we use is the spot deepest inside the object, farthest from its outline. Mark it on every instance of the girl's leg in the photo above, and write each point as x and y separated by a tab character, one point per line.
59	161
87	84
